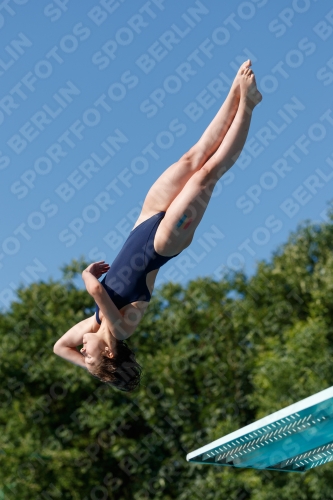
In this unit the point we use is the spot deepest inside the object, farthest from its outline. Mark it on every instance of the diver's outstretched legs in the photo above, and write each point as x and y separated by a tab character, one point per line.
219	126
173	180
176	230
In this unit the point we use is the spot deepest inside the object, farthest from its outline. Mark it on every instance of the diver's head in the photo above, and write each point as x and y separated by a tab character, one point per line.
111	360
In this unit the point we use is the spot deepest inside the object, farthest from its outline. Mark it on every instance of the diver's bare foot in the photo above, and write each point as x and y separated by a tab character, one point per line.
249	90
236	83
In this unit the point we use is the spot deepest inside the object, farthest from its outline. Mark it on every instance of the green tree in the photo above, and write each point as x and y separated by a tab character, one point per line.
216	356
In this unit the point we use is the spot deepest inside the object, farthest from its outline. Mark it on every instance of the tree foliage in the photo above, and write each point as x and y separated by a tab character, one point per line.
216	356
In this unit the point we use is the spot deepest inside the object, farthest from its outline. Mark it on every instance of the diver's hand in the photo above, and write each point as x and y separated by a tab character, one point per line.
97	269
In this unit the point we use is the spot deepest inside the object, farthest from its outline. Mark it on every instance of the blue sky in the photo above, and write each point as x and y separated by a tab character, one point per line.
96	103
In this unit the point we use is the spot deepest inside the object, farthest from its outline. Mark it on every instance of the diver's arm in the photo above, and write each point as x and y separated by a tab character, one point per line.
65	347
120	328
70	354
74	336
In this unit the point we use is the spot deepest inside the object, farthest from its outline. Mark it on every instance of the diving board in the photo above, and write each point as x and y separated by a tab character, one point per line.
294	439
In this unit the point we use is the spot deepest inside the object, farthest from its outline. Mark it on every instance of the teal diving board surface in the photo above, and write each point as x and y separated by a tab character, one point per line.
294	439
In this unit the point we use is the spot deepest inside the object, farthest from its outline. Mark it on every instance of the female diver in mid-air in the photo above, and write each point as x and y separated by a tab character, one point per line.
171	212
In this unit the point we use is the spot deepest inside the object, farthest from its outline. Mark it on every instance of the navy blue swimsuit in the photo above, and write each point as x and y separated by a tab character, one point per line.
125	281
